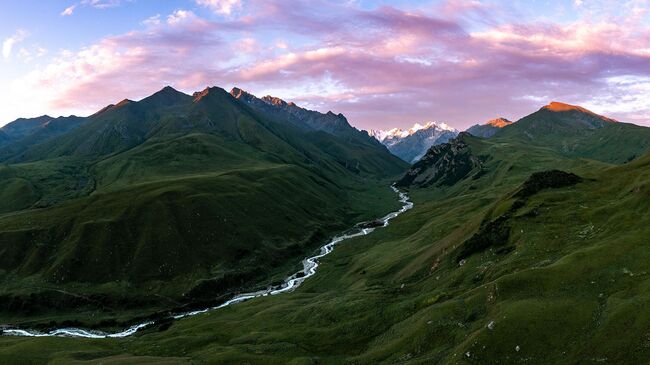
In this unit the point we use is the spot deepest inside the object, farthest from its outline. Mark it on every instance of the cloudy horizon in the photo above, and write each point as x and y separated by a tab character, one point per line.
382	64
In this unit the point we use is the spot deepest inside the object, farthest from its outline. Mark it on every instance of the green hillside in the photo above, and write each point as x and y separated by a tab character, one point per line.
21	134
577	132
565	287
532	255
171	201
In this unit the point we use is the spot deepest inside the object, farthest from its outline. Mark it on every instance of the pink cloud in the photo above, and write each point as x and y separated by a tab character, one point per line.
68	11
380	67
221	6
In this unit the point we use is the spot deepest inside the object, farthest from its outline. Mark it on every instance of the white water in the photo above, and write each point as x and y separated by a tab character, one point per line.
310	265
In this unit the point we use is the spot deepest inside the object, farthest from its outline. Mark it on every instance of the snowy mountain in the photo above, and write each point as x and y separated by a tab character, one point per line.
411	144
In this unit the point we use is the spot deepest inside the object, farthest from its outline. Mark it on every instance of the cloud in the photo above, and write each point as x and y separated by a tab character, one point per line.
180	16
381	67
31	53
9	43
152	21
224	7
102	4
97	4
68	11
179	52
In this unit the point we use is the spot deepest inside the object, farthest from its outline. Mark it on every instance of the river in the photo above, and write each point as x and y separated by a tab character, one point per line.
310	265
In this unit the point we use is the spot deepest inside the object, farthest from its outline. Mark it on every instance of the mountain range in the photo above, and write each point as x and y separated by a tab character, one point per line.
410	145
175	199
529	246
282	111
569	130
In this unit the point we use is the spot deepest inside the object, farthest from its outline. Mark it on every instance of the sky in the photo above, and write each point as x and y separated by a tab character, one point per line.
383	64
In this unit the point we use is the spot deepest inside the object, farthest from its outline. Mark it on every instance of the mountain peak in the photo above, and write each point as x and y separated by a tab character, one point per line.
398	133
244	95
167	96
499	122
411	144
273	100
203	93
168	89
124	102
112	106
559	107
488	129
36	119
22	123
556	106
238	93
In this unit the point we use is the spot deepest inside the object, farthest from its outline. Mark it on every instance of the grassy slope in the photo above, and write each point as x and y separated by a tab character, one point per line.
42	184
167	215
573	291
613	142
26	133
151	201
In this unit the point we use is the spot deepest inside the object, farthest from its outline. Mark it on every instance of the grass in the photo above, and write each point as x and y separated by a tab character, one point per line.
42	184
563	132
163	237
173	221
571	288
574	290
173	201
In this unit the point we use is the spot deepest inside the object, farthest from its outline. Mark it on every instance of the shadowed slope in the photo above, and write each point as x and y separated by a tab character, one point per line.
276	109
20	135
158	197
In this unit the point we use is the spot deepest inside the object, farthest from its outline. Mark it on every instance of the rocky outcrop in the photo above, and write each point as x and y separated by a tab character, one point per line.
444	164
551	179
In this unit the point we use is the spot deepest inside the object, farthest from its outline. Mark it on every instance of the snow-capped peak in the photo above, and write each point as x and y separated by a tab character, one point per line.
399	133
411	144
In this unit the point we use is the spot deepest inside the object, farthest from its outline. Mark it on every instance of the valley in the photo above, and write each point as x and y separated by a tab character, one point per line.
143	218
310	265
517	249
446	182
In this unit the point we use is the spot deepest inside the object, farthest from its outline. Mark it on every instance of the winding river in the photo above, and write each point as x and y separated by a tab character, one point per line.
310	265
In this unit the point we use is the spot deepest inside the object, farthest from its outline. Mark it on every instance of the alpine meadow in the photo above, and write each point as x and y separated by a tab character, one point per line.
425	182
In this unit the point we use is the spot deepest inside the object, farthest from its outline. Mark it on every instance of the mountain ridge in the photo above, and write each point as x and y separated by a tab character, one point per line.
521	245
569	130
411	144
279	109
489	128
557	106
189	197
